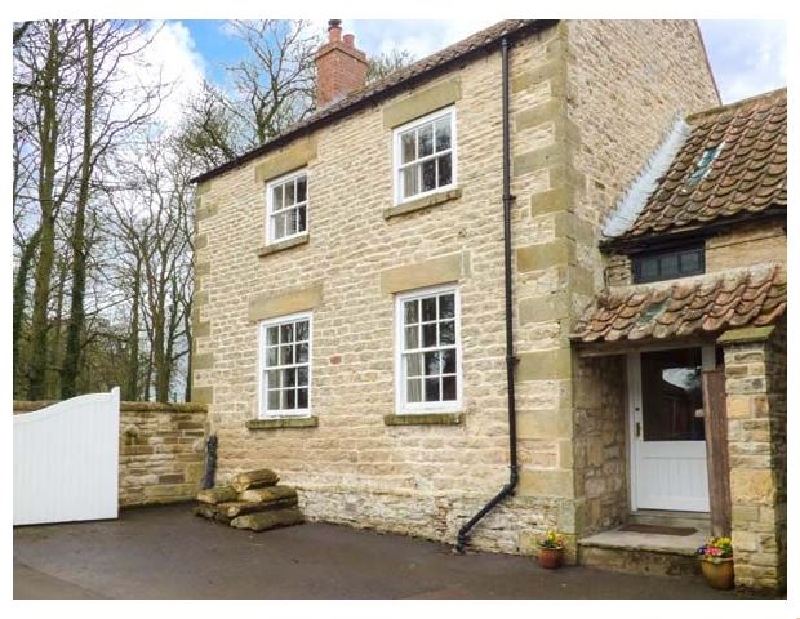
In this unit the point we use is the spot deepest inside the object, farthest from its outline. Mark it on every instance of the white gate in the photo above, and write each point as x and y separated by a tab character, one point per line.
66	460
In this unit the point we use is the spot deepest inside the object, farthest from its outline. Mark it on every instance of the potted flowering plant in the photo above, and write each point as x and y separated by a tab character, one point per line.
716	557
551	550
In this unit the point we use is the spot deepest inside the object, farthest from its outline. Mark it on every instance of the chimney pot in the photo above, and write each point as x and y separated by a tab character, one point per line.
334	30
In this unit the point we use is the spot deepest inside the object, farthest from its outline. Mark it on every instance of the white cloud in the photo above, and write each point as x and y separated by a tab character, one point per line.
747	57
172	54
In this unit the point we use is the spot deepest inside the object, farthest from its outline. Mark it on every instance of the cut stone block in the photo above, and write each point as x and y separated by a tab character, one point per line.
263	521
220	494
254	479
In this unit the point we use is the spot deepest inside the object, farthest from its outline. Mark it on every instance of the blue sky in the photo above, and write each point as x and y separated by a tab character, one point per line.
746	56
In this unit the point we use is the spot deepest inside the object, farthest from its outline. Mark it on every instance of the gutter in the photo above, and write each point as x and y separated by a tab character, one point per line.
508	489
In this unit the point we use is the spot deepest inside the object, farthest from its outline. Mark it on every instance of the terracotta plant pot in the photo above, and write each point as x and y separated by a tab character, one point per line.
718	575
551	558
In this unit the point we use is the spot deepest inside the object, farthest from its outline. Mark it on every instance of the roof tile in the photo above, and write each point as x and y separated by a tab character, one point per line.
707	304
748	174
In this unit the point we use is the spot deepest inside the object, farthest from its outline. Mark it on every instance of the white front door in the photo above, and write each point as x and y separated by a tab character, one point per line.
668	447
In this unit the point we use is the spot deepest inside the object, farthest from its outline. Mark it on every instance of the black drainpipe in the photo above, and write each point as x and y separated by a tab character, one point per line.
510	359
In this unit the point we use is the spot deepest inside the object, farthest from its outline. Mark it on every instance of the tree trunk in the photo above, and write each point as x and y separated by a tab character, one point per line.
76	313
48	133
20	288
132	384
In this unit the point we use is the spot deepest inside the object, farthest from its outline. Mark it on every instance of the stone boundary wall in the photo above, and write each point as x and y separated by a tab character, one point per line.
161	450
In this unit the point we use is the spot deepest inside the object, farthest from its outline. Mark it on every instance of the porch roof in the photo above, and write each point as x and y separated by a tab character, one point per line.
691	307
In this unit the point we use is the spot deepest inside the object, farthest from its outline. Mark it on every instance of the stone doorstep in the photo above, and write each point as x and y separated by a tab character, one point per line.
642	553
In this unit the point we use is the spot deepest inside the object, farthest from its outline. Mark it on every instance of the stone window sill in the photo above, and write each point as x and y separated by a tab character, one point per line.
425	419
422	203
282	422
272	248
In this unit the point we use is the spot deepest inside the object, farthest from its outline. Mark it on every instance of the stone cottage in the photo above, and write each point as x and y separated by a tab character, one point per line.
404	302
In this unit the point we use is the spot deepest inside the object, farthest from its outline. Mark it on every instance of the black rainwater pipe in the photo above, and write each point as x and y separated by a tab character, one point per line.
508	489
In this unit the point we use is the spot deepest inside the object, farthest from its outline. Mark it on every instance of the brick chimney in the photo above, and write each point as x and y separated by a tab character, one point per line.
341	68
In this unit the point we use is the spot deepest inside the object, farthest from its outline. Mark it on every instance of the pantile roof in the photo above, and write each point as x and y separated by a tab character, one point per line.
699	305
732	163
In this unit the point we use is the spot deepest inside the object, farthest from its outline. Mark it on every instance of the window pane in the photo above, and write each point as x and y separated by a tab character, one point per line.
445	170
288	399
449	388
279	227
287	358
649	269
690	262
447	306
272	335
301	189
288	195
429	335
273	400
429	175
431	389
411	311
447	332
443	133
672	395
301	219
277	197
273	379
288	378
302	398
407	148
425	136
302	377
302	353
669	266
449	361
432	363
286	333
410	179
290	219
414	365
301	330
412	337
414	390
429	309
272	356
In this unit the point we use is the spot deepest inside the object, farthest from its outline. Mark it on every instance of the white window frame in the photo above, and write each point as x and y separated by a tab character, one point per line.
263	413
396	165
401	405
281	180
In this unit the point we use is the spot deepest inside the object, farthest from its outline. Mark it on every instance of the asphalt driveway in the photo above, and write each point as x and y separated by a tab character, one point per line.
168	553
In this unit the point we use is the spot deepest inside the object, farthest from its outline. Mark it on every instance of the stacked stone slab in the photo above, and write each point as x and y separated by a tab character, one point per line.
253	500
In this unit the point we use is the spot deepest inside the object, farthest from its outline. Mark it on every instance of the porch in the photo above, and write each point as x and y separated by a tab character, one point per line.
679	439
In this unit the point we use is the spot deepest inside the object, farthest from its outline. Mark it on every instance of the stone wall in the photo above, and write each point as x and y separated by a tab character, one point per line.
755	385
601	452
350	464
161	450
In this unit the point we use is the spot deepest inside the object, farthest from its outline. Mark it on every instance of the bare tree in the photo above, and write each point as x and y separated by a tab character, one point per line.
385	64
106	44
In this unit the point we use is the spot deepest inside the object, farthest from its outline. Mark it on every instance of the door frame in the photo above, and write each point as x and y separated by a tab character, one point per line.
634	381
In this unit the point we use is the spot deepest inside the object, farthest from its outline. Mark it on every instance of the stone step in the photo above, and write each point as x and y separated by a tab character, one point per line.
697	520
642	553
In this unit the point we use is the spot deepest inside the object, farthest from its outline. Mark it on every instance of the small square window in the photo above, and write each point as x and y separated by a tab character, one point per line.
668	264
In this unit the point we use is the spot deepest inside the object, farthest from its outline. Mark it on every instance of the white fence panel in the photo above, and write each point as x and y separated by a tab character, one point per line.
66	461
